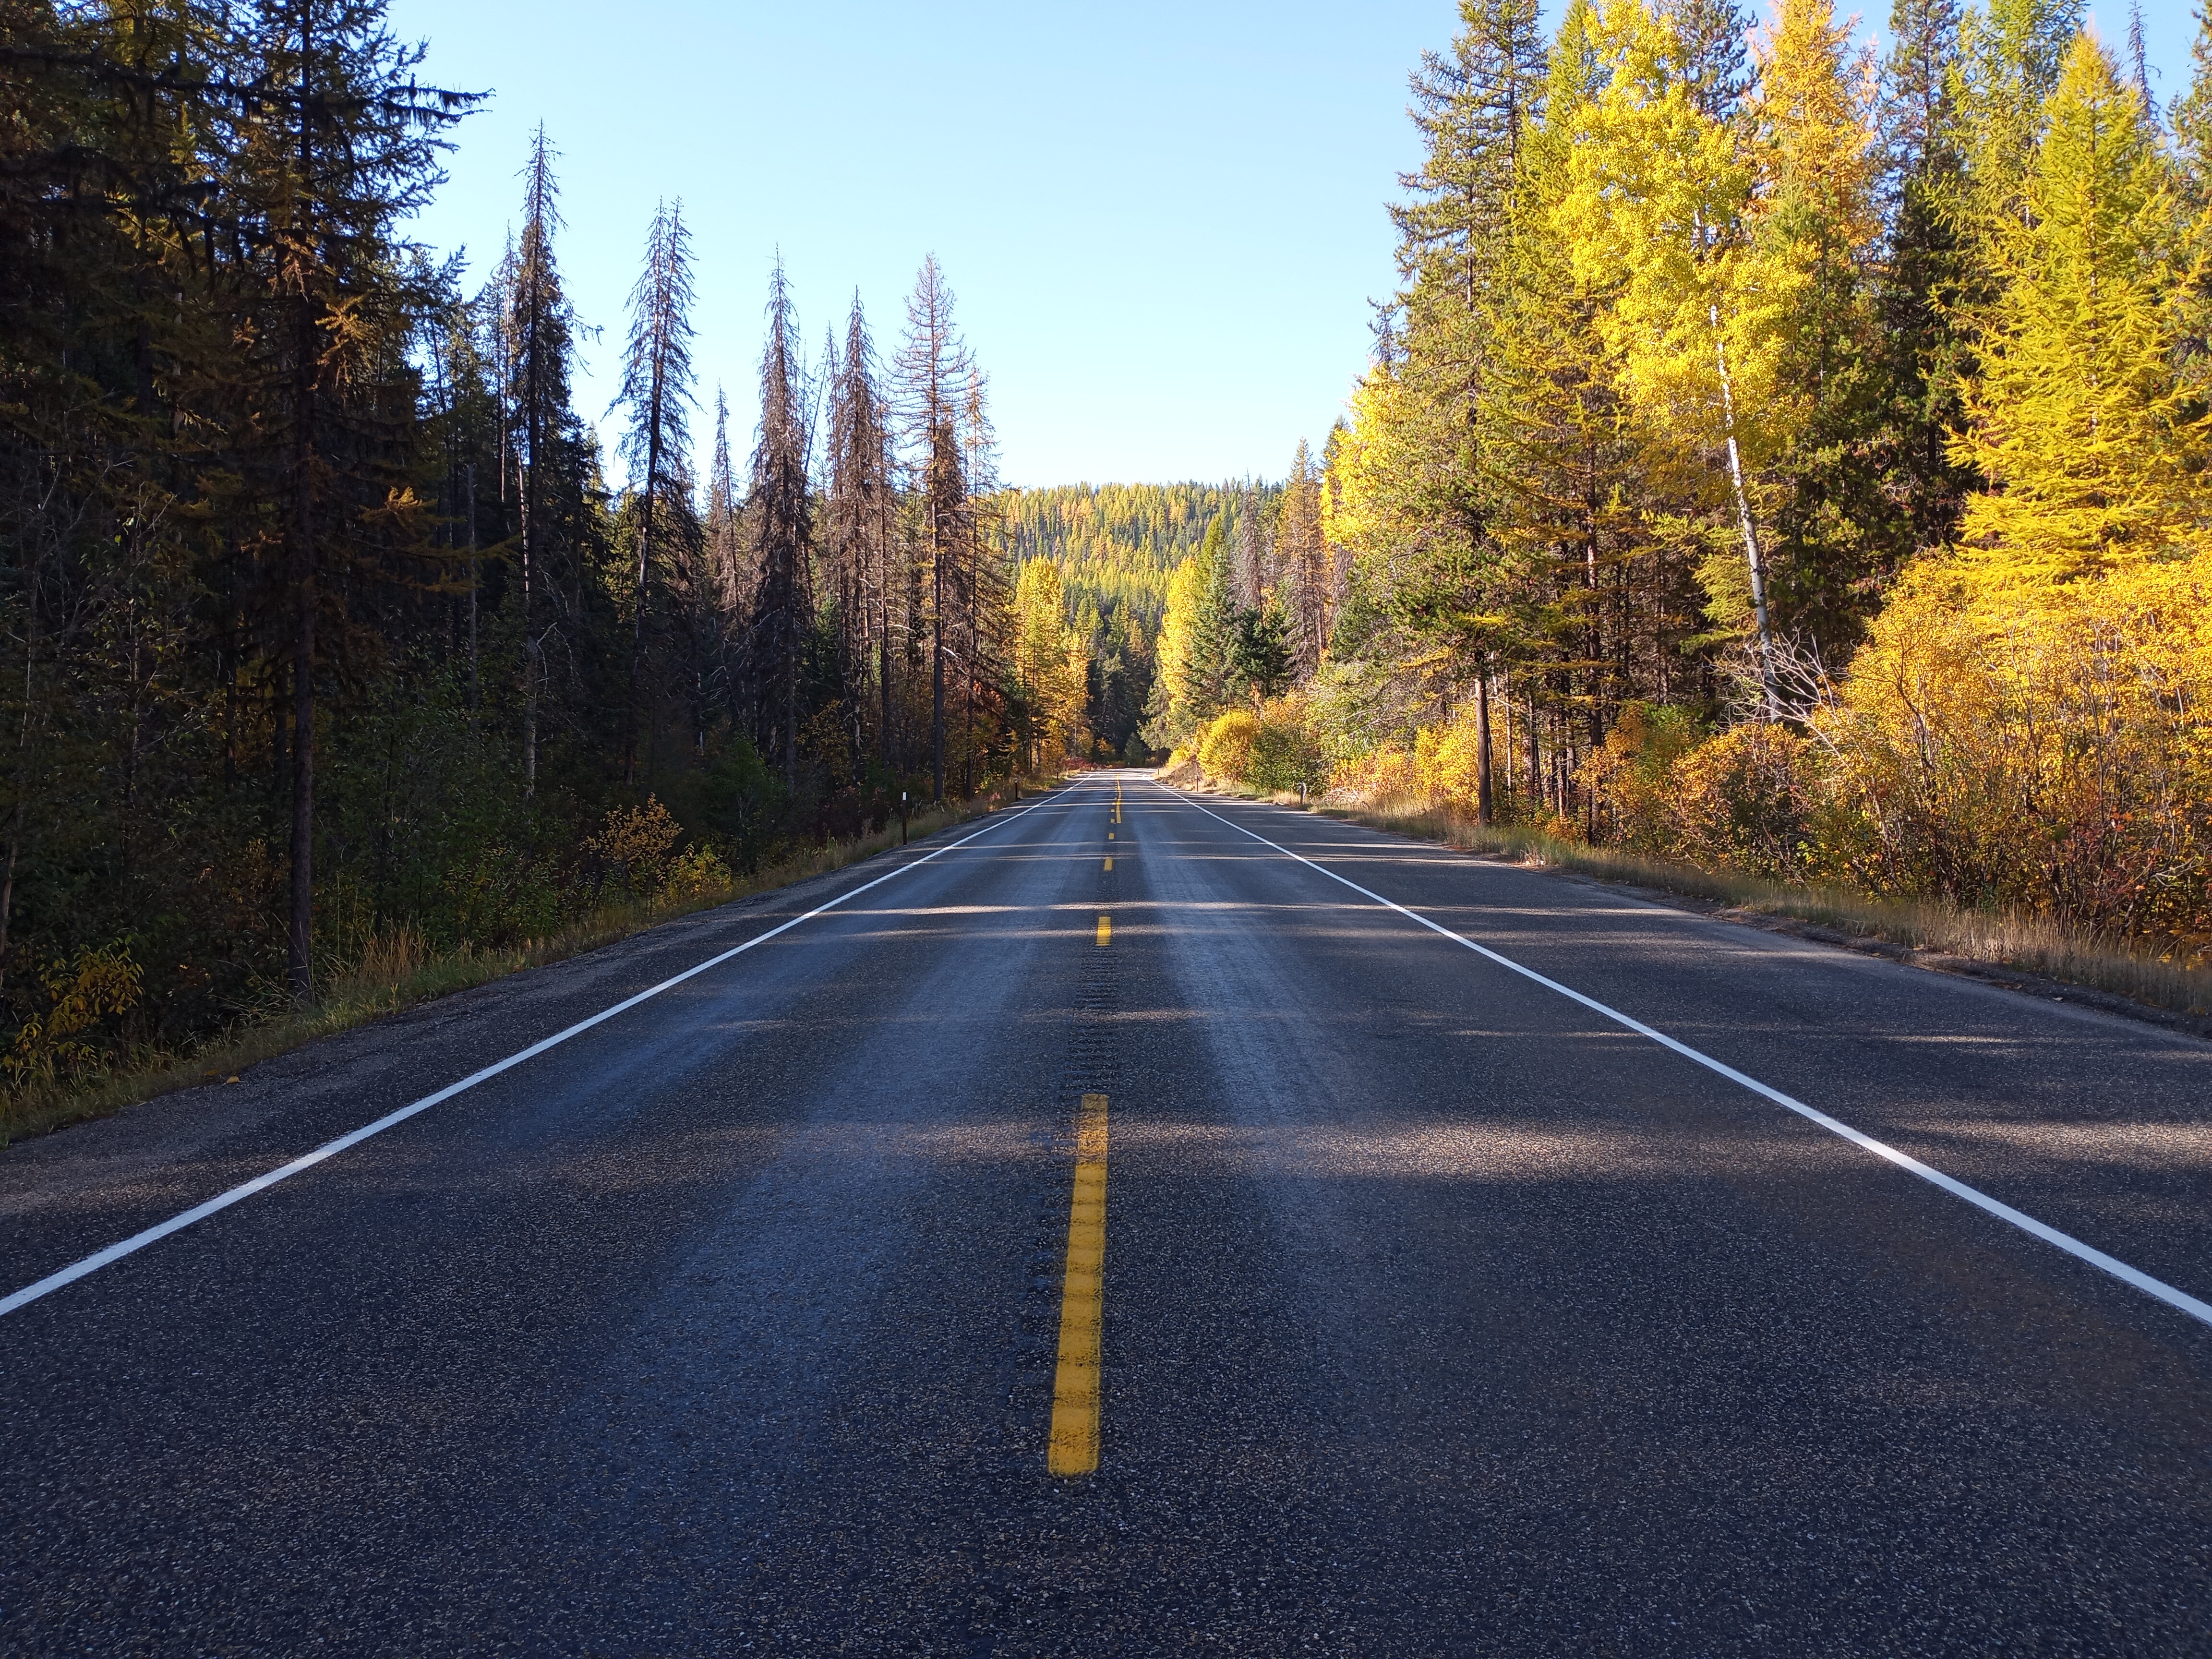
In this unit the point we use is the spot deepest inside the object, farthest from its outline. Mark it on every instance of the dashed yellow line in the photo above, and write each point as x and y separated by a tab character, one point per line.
1073	1447
1105	930
1109	861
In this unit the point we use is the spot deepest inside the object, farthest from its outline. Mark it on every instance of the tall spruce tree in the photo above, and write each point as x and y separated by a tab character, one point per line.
336	144
860	531
780	507
539	328
657	394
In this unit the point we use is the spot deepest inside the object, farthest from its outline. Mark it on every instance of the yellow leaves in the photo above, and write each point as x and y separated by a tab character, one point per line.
1655	218
1051	659
1186	587
2079	417
95	984
1703	237
1225	750
1815	133
2047	744
636	840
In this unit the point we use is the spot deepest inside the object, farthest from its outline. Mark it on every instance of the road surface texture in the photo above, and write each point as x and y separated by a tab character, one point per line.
1439	1312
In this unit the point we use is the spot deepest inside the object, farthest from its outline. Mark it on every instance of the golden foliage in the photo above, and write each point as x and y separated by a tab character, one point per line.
1225	750
97	982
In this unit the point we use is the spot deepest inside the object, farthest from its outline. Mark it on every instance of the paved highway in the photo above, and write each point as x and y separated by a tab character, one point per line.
1111	1233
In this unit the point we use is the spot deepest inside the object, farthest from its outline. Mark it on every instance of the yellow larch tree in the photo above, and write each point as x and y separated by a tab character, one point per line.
2079	420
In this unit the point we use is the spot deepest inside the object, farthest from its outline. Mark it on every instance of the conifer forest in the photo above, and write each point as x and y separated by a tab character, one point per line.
1776	456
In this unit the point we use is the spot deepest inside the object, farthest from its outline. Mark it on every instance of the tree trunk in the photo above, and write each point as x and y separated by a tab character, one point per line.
1536	760
1772	695
1485	804
637	615
299	964
936	655
475	689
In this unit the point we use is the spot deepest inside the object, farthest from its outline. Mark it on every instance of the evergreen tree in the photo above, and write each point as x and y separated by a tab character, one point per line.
539	352
1305	595
657	393
334	143
781	509
932	370
861	513
1923	354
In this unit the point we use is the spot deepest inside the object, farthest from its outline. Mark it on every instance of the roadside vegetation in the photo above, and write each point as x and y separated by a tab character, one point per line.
1781	478
338	652
57	1078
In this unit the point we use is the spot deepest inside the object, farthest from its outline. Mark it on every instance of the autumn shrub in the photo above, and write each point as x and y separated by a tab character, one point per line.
2041	749
1447	762
1748	800
1225	750
1387	773
633	850
84	994
1632	773
1288	752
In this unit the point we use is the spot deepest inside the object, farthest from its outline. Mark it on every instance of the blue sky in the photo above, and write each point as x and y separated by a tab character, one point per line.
1164	221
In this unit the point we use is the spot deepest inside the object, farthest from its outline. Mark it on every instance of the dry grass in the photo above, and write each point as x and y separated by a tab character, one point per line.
397	969
2033	945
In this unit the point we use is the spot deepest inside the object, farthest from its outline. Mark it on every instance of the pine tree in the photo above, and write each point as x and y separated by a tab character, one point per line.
657	393
336	144
725	525
1839	532
1926	271
861	524
780	507
540	350
1304	560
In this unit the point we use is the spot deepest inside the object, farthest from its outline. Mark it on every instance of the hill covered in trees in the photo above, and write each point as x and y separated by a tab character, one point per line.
1116	544
1772	458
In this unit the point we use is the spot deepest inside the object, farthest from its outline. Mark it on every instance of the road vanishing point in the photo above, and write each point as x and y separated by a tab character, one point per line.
1136	1224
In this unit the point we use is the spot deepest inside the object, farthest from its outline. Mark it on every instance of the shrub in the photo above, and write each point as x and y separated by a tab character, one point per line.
1748	800
1381	775
1225	750
1287	752
635	845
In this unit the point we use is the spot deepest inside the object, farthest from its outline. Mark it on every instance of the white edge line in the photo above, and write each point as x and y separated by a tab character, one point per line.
2027	1224
137	1242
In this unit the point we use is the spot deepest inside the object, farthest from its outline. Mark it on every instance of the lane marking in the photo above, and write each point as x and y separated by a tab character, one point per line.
1109	861
1105	929
1073	1446
2173	1297
137	1242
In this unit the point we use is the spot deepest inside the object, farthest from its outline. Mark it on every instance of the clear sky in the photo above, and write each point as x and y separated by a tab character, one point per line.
1164	221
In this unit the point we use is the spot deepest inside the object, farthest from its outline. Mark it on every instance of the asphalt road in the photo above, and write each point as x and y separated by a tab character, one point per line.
1440	1313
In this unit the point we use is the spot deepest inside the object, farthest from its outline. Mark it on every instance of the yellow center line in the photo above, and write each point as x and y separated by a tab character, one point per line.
1105	929
1073	1447
1109	861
